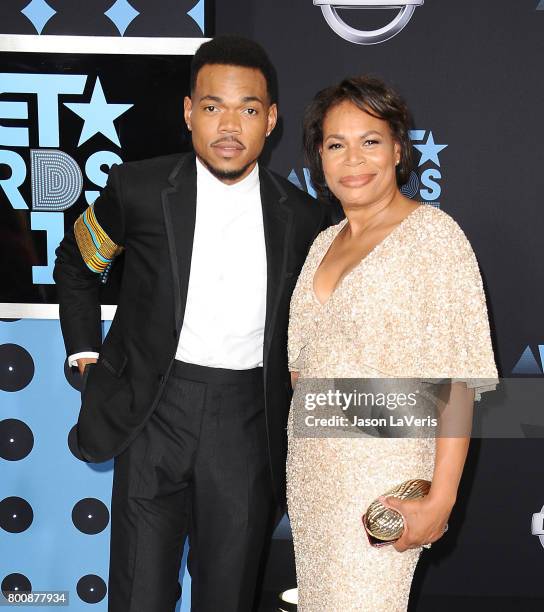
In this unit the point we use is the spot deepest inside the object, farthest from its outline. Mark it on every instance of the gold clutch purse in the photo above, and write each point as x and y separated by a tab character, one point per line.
384	525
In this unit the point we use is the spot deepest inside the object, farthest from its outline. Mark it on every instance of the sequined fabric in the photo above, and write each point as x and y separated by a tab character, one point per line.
413	307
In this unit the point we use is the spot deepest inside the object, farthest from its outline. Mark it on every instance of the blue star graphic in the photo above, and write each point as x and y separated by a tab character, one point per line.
98	115
430	151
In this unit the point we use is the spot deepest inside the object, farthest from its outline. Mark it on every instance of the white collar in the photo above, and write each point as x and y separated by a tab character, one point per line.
247	184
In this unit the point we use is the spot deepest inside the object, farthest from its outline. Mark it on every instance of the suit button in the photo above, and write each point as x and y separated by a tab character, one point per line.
160	377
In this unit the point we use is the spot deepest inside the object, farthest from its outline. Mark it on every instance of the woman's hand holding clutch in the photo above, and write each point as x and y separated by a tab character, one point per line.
425	519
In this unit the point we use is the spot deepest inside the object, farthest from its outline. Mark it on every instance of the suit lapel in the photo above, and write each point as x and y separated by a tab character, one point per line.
179	208
277	221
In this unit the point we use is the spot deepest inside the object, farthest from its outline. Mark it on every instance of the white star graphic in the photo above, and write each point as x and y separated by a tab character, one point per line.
98	115
430	151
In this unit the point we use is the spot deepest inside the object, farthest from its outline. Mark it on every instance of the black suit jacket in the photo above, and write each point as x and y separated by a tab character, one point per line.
149	208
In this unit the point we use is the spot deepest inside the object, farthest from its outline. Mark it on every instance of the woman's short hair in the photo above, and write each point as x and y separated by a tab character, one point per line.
371	95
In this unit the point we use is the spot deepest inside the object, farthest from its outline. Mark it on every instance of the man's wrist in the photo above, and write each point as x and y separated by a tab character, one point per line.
73	359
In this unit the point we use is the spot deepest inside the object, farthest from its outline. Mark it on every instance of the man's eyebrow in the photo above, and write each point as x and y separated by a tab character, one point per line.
212	98
219	100
252	99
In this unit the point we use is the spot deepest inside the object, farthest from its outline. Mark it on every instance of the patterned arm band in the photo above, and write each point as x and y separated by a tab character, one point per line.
97	248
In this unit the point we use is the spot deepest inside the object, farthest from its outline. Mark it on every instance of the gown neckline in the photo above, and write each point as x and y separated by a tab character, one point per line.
372	251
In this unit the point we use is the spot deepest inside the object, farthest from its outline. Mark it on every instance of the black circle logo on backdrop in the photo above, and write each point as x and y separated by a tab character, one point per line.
16	514
15	582
16	439
90	515
91	588
16	367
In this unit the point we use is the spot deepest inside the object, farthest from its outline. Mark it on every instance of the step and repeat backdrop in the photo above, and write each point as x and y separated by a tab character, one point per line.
84	85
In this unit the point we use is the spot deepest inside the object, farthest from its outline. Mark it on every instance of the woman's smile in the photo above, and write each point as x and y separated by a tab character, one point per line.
357	180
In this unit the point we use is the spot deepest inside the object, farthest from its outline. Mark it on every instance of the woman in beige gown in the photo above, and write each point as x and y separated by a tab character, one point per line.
393	290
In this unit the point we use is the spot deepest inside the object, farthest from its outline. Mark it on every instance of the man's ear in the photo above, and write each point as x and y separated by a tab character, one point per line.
272	118
187	109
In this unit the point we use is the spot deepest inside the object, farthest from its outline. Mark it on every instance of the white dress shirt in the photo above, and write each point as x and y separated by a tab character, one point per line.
224	318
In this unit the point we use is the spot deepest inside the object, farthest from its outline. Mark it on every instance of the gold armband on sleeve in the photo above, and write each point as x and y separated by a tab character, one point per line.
96	247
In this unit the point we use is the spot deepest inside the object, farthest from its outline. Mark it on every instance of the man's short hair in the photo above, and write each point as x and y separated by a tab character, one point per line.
231	50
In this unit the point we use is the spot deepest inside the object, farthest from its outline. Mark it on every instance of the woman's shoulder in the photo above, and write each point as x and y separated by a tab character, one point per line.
438	218
443	246
325	236
440	230
332	229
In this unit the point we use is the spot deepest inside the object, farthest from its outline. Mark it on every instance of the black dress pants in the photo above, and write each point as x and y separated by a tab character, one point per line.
198	469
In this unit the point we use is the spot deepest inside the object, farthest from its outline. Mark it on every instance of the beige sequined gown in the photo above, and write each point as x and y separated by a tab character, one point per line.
413	307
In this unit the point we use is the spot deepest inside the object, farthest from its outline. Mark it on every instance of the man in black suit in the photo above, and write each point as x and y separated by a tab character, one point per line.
190	390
